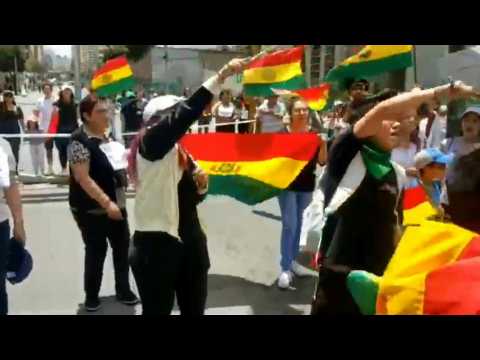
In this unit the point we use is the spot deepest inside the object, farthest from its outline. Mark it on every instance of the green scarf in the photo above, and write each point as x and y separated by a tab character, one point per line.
377	161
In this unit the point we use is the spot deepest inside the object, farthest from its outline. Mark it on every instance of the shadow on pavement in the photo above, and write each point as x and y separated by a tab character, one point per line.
267	215
231	291
110	306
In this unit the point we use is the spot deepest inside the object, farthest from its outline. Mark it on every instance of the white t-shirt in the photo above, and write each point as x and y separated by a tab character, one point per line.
405	157
226	111
45	107
435	137
270	122
7	176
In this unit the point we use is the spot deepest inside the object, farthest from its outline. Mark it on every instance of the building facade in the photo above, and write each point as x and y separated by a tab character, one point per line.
90	57
172	70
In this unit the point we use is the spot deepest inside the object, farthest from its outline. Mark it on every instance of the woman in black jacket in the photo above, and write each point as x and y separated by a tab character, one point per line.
11	121
98	182
67	123
157	165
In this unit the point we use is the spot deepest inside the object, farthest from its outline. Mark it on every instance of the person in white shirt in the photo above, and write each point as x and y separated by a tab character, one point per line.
10	206
404	153
43	111
430	129
270	116
224	112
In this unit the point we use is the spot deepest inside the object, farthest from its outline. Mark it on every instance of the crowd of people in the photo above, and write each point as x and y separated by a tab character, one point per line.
370	149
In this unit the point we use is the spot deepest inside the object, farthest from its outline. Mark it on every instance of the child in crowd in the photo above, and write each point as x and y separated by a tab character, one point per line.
431	164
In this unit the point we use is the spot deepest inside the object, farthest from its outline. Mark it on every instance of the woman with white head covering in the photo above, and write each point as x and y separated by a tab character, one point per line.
156	165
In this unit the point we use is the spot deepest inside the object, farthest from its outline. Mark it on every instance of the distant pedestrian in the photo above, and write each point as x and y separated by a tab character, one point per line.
67	123
11	122
44	111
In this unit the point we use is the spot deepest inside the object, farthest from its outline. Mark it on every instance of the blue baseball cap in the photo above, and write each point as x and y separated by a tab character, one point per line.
430	156
19	262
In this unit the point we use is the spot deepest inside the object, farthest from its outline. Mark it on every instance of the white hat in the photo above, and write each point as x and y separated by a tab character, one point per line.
471	109
159	104
68	87
443	109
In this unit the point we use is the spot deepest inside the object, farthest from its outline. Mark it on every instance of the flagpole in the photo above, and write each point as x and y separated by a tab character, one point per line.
415	75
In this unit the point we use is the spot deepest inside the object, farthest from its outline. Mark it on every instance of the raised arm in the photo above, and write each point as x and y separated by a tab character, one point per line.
405	105
161	138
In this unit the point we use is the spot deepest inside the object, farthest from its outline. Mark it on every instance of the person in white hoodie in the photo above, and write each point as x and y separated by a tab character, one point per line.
158	164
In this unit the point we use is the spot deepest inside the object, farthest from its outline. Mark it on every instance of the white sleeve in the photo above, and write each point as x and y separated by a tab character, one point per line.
213	85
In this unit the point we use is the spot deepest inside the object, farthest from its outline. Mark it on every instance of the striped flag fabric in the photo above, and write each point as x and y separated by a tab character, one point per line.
113	77
316	97
434	271
279	70
372	60
251	168
416	206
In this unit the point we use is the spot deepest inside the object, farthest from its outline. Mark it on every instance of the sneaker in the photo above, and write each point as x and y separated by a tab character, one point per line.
300	270
128	299
92	305
285	280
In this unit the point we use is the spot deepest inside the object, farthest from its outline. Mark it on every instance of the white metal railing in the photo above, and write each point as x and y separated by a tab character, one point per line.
25	162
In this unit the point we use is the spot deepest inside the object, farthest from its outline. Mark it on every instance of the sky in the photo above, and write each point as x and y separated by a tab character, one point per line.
67	49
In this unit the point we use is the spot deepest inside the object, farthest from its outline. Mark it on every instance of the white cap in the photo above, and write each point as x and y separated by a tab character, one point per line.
68	87
443	109
471	109
160	104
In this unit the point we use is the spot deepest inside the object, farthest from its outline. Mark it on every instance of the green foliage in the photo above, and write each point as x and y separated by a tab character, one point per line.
7	56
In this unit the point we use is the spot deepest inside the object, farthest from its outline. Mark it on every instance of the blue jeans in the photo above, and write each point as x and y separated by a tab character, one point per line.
4	239
292	206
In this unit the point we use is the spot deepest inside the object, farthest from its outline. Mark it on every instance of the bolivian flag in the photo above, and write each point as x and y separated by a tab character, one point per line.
416	206
315	97
113	77
251	168
279	70
373	60
434	271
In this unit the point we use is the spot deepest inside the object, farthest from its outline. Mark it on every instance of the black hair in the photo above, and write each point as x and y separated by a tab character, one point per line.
87	105
47	84
61	99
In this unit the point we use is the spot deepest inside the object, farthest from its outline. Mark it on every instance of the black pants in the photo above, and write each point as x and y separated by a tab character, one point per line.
62	145
15	145
332	296
161	270
95	230
4	239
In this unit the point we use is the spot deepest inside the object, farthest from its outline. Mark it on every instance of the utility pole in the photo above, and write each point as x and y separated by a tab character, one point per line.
15	66
76	64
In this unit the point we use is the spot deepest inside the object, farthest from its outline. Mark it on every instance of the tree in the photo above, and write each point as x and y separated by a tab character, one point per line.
32	65
7	59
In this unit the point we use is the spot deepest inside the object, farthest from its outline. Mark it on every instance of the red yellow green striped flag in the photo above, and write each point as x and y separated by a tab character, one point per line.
316	97
373	60
251	168
434	271
113	77
279	70
416	207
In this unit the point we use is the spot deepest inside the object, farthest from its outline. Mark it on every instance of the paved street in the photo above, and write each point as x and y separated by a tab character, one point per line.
244	249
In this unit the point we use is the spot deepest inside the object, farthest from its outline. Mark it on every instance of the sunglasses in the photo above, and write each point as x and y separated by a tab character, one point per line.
8	95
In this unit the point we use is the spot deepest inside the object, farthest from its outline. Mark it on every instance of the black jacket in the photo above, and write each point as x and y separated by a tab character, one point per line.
190	229
101	171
